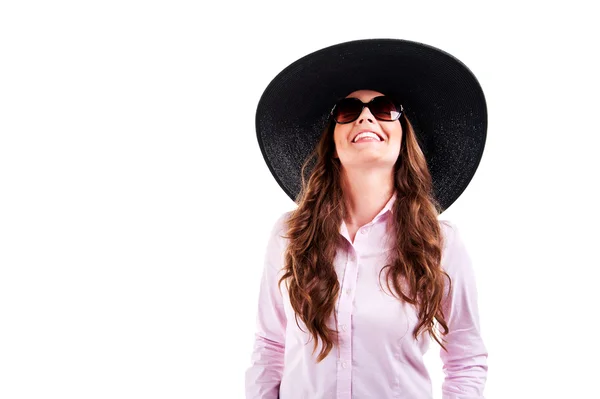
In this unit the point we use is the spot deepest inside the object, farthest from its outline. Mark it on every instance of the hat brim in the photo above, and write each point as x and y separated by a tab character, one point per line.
440	95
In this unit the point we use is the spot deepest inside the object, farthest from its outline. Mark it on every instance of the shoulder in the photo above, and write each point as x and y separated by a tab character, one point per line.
280	226
449	230
277	241
455	257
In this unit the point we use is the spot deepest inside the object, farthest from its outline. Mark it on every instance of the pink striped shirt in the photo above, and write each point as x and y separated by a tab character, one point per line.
378	356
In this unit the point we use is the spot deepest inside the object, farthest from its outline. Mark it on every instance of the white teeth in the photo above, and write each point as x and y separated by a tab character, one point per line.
366	134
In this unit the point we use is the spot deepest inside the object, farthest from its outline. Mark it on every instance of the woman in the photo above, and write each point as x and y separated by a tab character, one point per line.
362	274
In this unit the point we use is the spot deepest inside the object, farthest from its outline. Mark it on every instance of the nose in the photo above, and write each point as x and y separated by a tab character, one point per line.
365	115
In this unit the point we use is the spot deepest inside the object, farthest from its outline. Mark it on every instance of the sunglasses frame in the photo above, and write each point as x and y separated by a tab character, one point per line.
367	104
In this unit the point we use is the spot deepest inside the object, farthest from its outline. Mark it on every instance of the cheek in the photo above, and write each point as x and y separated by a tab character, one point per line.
396	133
338	135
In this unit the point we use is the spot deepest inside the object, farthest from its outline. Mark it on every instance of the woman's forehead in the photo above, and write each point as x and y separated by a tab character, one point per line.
364	95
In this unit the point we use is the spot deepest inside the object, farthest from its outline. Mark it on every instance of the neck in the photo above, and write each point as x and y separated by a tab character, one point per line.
366	191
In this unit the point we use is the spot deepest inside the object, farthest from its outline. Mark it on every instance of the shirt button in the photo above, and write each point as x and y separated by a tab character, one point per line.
348	291
344	327
344	365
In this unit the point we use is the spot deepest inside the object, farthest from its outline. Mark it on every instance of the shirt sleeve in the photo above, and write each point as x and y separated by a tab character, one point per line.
264	375
465	363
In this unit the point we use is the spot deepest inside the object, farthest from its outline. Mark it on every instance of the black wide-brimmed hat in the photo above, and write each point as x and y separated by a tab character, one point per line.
440	95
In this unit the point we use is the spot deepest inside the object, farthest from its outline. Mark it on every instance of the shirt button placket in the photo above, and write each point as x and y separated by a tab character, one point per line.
344	370
344	363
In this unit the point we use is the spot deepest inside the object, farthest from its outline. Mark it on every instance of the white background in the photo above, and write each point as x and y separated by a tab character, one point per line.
135	207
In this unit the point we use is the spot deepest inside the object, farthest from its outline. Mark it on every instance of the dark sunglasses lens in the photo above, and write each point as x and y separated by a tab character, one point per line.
347	110
384	109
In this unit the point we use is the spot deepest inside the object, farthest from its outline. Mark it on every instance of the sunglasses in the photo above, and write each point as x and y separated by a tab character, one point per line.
349	109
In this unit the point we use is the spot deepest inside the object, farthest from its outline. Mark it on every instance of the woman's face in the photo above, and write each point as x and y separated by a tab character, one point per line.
367	152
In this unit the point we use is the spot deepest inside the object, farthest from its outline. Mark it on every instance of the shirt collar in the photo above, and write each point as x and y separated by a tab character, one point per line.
387	208
389	205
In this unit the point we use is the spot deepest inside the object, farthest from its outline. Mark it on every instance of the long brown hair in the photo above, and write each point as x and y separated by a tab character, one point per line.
313	234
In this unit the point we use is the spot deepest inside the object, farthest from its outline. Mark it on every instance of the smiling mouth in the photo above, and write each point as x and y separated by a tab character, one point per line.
367	140
365	137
